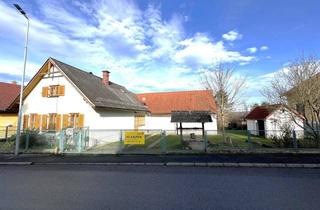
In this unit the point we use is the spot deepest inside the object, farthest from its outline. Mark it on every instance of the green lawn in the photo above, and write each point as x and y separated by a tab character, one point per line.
115	146
235	139
238	139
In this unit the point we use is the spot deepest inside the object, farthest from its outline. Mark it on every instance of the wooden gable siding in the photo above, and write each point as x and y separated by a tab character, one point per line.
37	78
34	81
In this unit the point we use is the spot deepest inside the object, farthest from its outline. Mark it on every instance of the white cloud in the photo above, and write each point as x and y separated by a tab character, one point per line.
268	57
15	67
243	63
142	50
252	50
232	36
263	48
200	50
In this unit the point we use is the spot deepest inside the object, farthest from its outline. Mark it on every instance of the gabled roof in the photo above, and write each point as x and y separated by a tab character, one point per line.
8	92
191	116
166	102
113	96
263	112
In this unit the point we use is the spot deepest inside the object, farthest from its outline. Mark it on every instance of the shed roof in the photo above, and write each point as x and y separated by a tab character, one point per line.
191	116
262	112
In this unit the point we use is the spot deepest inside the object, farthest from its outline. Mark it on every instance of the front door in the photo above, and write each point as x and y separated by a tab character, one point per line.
261	127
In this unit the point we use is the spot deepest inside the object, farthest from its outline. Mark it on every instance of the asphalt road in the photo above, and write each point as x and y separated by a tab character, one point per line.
141	187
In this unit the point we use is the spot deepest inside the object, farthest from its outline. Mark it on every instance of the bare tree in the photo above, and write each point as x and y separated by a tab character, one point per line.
226	88
298	86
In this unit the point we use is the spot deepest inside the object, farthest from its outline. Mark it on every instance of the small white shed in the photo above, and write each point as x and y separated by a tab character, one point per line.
271	120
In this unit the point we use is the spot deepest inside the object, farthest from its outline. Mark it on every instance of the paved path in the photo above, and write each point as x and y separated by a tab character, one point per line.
155	142
100	187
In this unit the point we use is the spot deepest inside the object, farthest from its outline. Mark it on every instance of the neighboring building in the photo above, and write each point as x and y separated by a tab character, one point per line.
237	120
62	96
304	98
8	92
270	120
8	116
163	103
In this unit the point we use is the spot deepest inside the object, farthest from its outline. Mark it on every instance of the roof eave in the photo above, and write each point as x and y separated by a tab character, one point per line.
119	108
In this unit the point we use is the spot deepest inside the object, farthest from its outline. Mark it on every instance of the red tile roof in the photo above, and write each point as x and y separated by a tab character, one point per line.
262	112
166	102
8	92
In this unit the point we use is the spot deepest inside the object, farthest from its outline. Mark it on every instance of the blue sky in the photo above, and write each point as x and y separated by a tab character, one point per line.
161	45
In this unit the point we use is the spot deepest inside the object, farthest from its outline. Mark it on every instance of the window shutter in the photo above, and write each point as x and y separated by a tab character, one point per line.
61	90
65	118
25	121
36	121
58	122
80	121
45	91
44	122
142	120
135	122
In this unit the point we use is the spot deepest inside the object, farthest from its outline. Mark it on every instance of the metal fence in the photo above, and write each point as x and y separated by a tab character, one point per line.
7	132
100	141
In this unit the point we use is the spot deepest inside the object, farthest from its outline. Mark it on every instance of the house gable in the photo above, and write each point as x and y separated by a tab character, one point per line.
112	96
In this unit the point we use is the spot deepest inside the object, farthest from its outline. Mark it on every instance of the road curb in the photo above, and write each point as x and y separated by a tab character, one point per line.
181	164
14	163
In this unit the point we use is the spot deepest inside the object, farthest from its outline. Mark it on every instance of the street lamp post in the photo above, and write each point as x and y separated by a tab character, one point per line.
22	79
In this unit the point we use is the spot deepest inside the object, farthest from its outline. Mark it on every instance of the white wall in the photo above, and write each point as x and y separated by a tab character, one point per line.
163	122
278	119
252	126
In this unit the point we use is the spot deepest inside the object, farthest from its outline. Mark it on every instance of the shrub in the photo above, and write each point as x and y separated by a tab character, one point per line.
284	139
7	146
35	139
308	142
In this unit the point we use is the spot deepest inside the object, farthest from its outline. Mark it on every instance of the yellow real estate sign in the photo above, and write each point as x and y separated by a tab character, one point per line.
134	137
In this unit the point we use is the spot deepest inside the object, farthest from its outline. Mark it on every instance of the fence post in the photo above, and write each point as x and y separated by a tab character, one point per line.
61	142
120	143
79	141
205	141
249	140
27	140
6	134
294	139
163	142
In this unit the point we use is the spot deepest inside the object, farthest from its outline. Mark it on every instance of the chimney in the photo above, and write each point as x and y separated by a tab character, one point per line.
105	77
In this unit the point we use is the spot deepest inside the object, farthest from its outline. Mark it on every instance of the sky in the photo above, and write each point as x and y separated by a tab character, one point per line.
151	46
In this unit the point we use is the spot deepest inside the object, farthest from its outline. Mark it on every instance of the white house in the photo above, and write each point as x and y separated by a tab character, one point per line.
162	104
62	96
271	120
